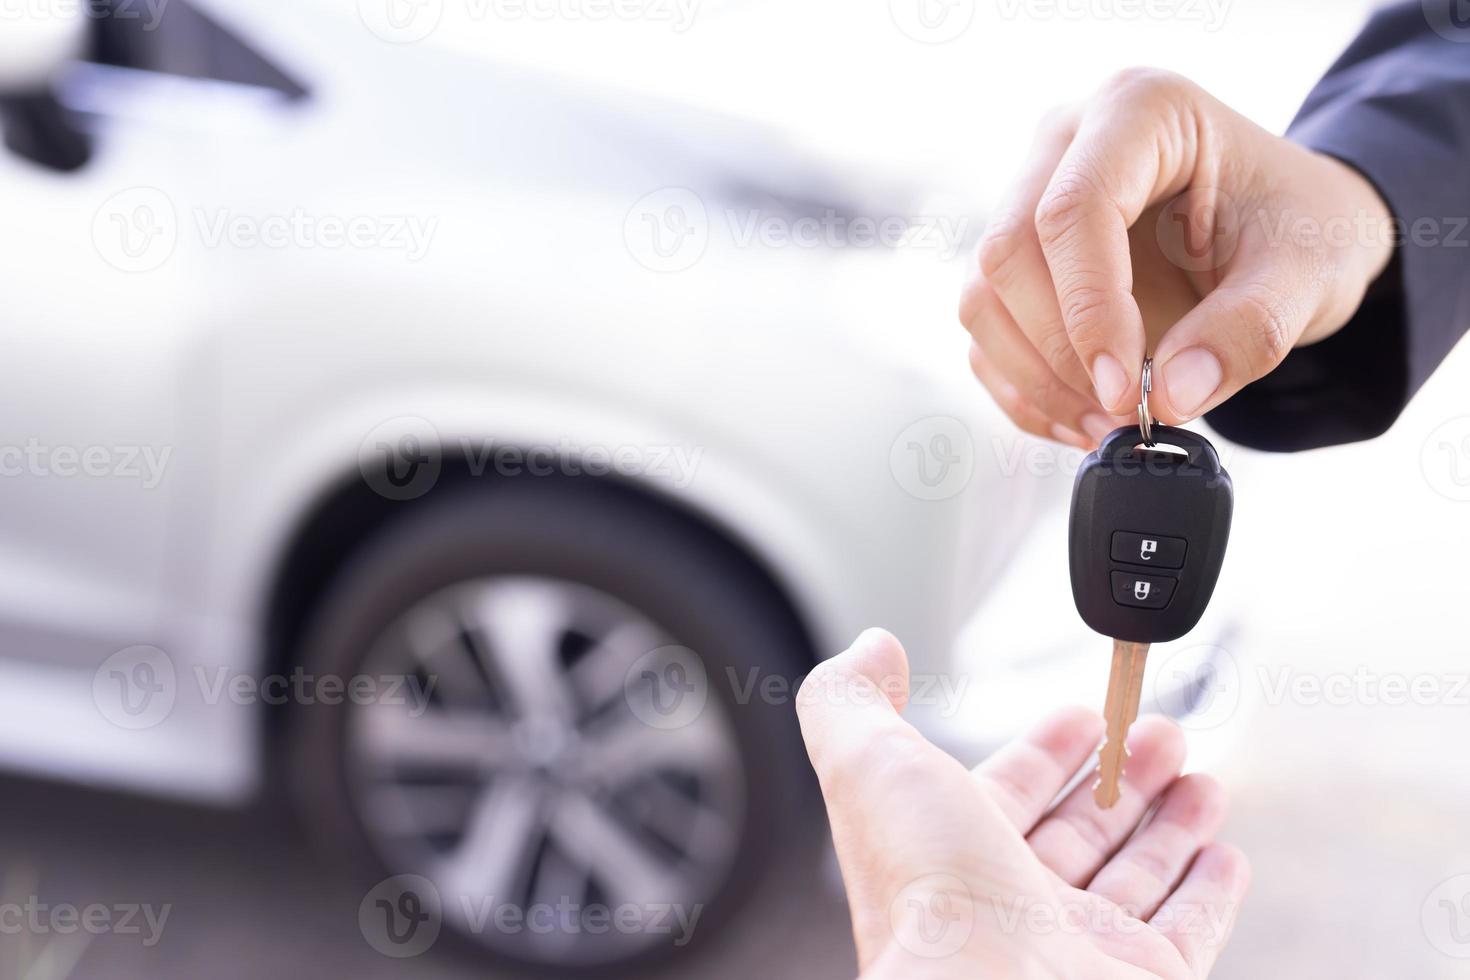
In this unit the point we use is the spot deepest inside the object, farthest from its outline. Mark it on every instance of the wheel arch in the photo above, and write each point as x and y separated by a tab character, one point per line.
348	513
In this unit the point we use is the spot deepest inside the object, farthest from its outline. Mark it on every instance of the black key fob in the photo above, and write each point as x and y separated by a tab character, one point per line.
1148	533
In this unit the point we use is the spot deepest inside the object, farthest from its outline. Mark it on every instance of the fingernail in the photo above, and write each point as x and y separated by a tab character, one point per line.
1109	378
1072	438
1097	426
1190	378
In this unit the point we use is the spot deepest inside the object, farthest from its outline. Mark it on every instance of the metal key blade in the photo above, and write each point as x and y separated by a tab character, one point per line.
1125	687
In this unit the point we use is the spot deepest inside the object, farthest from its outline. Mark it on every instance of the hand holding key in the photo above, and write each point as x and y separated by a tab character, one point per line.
1155	213
958	874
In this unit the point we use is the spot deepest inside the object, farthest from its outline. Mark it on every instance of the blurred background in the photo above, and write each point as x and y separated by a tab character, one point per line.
443	433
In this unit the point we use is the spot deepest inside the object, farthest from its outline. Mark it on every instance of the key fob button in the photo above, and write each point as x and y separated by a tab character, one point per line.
1142	591
1148	549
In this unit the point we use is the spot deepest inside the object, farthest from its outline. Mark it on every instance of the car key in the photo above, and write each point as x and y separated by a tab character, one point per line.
1147	537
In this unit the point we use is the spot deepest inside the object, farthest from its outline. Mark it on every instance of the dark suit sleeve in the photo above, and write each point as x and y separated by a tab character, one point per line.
1396	106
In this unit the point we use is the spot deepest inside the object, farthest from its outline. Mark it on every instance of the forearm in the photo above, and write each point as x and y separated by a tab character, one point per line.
1396	108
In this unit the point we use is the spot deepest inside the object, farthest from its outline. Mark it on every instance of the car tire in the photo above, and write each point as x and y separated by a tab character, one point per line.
604	551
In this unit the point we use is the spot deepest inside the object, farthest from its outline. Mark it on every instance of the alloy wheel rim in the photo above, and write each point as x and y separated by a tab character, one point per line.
536	781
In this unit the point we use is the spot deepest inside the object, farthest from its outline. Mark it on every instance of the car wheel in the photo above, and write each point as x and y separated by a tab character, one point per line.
554	731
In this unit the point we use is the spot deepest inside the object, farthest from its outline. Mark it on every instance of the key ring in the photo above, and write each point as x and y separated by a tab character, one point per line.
1145	425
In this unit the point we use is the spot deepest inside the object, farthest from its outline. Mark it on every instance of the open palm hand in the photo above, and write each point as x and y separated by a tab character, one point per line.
954	873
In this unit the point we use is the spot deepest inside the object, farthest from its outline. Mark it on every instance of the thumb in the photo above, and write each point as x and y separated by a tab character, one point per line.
1240	332
883	782
902	813
851	700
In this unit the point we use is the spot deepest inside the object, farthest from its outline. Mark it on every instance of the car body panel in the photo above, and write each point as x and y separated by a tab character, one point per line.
258	374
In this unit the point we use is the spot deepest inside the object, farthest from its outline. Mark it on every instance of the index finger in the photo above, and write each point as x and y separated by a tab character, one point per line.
1132	149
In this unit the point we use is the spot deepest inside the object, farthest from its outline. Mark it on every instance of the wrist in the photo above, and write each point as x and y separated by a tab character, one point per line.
1375	233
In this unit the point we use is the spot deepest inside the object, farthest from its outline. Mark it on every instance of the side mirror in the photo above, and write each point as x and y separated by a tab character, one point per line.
34	48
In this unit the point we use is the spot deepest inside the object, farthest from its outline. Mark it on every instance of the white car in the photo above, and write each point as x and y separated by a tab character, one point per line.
481	461
416	437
